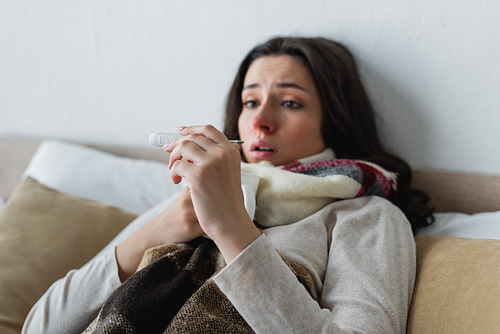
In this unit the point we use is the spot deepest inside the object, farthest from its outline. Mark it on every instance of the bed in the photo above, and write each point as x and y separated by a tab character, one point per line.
45	182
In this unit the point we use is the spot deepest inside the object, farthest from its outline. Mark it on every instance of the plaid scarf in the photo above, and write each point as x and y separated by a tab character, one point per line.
297	190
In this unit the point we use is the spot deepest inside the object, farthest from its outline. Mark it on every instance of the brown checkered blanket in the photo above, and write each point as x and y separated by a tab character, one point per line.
174	293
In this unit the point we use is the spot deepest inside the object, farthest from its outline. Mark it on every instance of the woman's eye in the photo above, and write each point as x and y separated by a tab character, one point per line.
291	104
250	104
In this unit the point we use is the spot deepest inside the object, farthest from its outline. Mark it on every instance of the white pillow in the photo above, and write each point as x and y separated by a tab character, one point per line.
484	225
129	184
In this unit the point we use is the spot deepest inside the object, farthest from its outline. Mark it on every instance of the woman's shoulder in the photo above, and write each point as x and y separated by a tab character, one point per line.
367	203
369	213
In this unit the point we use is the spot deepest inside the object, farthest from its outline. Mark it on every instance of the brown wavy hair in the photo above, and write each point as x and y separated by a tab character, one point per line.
348	119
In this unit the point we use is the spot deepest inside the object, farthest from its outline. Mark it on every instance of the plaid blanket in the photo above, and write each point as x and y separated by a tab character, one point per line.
173	293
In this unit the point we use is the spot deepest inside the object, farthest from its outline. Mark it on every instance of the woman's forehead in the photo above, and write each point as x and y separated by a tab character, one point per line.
272	70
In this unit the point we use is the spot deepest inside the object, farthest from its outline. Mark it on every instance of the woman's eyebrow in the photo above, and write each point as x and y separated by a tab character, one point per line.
290	85
279	85
251	86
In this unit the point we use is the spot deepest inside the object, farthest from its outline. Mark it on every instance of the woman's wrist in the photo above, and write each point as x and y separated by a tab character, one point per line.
234	239
129	255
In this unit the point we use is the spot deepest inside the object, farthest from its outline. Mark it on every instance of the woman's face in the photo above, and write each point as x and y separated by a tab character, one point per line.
281	117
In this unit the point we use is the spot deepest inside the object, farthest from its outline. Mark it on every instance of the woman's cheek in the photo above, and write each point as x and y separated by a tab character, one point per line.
307	133
244	125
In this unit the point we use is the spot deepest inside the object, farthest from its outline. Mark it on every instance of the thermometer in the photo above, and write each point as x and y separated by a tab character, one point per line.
161	139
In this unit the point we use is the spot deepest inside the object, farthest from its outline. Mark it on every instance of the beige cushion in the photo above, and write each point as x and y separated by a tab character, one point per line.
43	235
457	288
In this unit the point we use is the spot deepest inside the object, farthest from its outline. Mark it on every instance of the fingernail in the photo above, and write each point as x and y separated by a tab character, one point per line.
180	128
166	146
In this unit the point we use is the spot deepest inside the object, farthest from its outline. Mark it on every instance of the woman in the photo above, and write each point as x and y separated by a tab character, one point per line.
294	101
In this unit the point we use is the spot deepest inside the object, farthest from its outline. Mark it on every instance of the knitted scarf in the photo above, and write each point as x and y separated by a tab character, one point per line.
172	291
297	190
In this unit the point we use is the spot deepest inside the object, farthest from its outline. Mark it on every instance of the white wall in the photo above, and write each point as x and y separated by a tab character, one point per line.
114	71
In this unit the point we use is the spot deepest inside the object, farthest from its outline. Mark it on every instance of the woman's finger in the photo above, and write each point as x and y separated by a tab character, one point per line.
188	150
185	147
208	131
180	169
197	138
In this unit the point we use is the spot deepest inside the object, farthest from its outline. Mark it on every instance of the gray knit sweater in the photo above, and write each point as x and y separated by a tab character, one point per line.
360	253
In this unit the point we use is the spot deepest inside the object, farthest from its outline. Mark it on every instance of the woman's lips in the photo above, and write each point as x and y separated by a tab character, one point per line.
261	149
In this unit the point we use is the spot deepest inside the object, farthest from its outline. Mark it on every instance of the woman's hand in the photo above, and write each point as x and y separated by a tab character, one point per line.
211	204
177	223
211	166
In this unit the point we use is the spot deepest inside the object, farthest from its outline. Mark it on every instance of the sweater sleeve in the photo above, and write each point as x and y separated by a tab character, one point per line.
73	302
367	284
